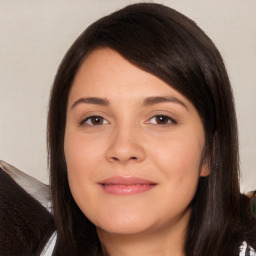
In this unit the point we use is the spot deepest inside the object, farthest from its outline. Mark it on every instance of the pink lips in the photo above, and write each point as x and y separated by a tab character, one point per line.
126	185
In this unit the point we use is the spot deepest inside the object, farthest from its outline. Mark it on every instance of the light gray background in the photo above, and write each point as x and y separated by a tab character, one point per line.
34	36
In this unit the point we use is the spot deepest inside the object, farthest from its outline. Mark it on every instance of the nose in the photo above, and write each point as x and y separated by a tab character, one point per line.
125	146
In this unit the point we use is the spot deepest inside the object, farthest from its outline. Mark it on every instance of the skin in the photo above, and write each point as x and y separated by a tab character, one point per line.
133	137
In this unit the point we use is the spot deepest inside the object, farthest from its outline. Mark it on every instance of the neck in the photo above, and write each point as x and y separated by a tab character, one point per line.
164	242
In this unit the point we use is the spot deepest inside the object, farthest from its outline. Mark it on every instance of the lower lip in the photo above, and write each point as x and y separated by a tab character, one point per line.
126	189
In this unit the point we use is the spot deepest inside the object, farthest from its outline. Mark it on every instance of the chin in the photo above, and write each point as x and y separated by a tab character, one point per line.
123	225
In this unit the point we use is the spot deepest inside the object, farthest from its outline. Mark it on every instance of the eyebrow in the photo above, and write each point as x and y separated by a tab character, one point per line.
147	101
156	100
91	100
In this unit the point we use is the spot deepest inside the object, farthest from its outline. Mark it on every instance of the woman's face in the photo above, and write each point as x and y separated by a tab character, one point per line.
133	147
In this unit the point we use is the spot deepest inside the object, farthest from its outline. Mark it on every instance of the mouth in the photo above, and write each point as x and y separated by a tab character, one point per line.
126	185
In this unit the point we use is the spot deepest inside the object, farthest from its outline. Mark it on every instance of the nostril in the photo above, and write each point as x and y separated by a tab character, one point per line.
117	159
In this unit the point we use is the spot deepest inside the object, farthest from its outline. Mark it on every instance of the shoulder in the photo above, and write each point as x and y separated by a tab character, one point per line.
49	247
246	250
33	187
25	222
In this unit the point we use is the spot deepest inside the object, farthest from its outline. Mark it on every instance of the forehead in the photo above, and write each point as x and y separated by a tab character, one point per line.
106	73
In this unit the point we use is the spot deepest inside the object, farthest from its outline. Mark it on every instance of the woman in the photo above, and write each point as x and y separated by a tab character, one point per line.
143	146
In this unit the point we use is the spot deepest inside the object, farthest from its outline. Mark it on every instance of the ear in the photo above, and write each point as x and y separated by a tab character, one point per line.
205	169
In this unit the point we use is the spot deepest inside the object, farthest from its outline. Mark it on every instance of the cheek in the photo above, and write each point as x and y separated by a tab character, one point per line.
80	162
180	165
179	154
84	159
74	154
81	155
179	161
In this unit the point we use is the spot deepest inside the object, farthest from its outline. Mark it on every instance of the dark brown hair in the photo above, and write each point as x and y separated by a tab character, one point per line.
170	46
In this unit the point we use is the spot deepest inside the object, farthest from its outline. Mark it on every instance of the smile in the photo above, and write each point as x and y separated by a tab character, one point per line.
126	185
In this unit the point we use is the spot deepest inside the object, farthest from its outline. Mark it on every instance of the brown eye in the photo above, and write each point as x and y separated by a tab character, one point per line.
162	120
94	120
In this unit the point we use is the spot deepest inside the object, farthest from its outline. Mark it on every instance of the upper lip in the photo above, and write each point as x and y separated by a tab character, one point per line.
126	180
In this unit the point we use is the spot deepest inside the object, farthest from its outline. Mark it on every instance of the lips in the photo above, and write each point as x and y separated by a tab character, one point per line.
126	185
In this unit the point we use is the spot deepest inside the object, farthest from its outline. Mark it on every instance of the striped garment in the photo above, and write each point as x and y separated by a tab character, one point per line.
246	250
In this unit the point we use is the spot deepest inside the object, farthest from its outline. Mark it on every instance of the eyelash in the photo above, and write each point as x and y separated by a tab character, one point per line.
169	120
103	121
90	118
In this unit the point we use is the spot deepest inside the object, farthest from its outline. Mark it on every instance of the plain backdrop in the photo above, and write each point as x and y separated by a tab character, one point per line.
34	35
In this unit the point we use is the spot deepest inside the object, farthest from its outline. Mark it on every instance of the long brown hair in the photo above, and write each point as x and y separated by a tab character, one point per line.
172	47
